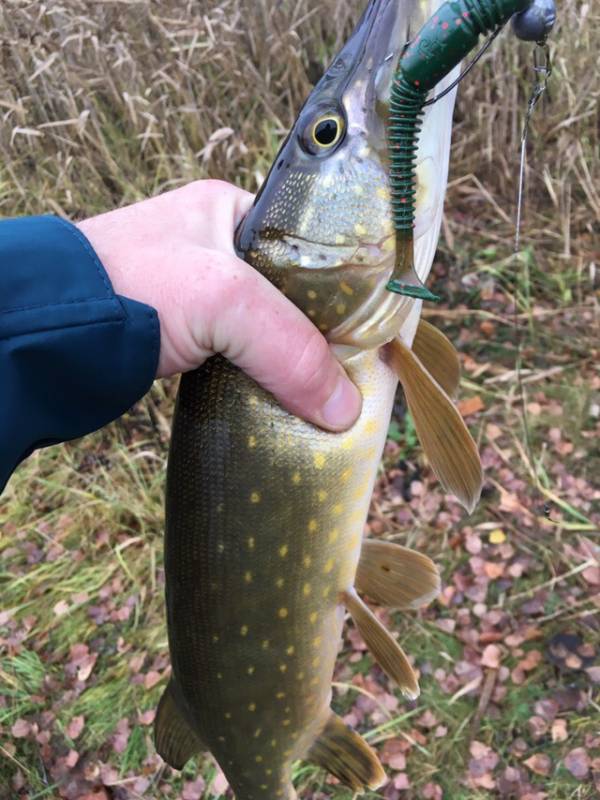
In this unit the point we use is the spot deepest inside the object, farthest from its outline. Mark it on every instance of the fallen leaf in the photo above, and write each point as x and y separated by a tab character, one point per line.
539	763
491	657
75	727
559	730
470	405
21	728
497	536
577	762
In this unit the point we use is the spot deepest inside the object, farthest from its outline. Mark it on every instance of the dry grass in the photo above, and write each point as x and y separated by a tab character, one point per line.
102	103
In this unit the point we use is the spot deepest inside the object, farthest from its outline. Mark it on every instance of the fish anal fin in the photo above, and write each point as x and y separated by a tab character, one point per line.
346	755
446	440
395	576
438	355
385	649
175	740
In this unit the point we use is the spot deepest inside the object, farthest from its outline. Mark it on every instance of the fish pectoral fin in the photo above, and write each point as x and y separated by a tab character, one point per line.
438	356
396	576
175	740
346	755
385	649
446	440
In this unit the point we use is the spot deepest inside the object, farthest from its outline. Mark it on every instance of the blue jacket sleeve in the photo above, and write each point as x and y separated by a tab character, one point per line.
73	355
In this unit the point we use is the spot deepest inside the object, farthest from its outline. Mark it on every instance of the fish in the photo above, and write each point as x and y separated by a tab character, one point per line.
264	547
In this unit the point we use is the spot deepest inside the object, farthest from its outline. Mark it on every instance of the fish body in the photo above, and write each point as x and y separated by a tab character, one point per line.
265	512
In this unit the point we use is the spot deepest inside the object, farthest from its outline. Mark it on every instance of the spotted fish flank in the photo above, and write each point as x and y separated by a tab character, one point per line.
265	512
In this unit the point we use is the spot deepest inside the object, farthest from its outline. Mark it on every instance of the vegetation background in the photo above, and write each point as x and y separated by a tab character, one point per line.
104	103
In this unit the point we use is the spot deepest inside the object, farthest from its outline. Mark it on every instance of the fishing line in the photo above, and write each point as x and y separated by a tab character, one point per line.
542	68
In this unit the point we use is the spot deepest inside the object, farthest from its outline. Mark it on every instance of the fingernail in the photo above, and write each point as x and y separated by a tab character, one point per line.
344	404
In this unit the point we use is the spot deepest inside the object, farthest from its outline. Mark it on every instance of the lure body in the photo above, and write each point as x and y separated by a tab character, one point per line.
265	512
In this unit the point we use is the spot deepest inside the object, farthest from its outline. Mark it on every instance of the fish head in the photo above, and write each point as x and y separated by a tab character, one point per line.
321	228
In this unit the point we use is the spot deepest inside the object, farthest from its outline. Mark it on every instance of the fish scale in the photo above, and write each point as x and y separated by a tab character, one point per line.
285	560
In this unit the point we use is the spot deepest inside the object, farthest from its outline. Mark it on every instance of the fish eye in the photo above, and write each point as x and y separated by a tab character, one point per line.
323	133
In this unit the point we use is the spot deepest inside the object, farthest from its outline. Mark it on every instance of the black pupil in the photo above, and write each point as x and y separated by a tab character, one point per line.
326	131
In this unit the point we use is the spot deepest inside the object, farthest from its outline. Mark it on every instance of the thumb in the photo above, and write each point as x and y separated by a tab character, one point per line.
263	333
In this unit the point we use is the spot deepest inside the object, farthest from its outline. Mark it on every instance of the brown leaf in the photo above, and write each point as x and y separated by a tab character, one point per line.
492	655
21	728
559	730
470	405
539	763
75	727
151	679
577	762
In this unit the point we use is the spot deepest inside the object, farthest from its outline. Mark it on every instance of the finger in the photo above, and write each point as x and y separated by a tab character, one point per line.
269	338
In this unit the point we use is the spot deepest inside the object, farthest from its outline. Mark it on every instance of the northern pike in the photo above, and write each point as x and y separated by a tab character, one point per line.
264	548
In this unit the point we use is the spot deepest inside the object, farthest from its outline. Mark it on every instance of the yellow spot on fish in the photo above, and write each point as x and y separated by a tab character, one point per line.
312	313
313	525
252	707
340	238
314	682
317	641
359	229
291	650
286	722
253	400
358	189
389	245
220	547
268	772
283	668
346	474
322	495
264	786
279	582
255	497
219	676
283	612
388	225
244	630
251	442
251	542
307	561
273	742
338	508
287	709
251	670
306	589
248	577
221	738
296	478
265	644
227	715
257	733
319	460
287	753
280	695
340	308
312	294
346	289
328	566
347	443
314	617
300	676
326	591
383	193
258	759
334	535
283	551
316	661
215	638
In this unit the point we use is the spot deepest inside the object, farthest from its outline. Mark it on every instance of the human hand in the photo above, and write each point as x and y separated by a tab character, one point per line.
175	253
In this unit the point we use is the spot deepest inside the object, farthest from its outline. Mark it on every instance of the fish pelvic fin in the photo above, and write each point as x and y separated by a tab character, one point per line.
396	576
438	355
175	740
346	755
446	440
385	649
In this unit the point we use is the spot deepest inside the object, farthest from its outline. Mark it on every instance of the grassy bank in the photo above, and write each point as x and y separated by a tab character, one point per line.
105	103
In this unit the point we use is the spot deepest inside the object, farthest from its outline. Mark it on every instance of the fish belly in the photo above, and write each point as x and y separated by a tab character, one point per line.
265	515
